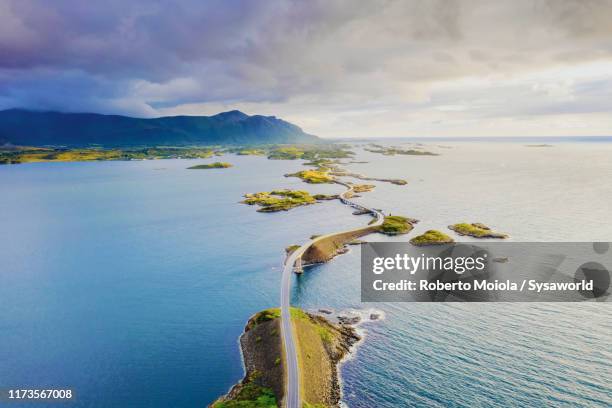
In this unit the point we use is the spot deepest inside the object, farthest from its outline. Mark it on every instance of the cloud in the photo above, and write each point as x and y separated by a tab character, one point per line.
343	67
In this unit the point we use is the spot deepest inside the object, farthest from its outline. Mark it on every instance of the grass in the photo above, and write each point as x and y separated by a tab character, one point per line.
363	188
251	152
476	230
16	155
431	237
286	153
275	313
250	396
291	248
279	200
313	176
215	165
396	225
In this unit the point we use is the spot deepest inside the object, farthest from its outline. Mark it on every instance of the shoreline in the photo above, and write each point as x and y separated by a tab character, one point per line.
326	344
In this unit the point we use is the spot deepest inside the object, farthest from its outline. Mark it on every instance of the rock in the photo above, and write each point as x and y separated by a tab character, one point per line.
349	320
502	259
325	311
374	316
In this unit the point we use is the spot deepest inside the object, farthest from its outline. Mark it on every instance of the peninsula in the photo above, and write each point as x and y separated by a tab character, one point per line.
322	346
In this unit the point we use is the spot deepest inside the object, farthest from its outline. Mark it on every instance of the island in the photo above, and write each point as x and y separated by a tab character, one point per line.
321	347
215	165
392	151
476	230
431	237
279	200
313	176
397	225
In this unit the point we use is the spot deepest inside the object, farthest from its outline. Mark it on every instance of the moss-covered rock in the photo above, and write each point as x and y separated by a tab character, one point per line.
215	165
397	225
279	200
476	230
313	176
431	237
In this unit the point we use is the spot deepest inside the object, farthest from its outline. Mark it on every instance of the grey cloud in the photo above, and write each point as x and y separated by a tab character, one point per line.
146	56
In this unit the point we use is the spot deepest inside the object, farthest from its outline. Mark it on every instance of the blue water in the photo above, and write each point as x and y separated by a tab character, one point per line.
130	282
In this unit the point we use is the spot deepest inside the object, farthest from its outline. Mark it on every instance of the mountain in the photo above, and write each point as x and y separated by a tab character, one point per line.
35	128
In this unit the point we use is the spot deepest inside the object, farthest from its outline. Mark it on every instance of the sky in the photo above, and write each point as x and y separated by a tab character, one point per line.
372	68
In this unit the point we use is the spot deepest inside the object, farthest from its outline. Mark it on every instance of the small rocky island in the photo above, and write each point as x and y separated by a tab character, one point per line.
392	151
397	225
283	200
431	237
215	165
313	176
322	345
476	230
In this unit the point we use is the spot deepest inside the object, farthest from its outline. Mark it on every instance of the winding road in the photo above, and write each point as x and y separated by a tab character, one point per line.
292	391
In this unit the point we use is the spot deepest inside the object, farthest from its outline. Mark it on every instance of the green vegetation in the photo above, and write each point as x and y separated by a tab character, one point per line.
15	155
476	230
397	225
291	248
431	237
286	153
250	395
325	334
309	152
279	200
215	165
275	313
392	151
251	152
325	197
313	176
307	405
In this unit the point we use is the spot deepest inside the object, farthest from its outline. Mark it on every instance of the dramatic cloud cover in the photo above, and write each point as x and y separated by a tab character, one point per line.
336	68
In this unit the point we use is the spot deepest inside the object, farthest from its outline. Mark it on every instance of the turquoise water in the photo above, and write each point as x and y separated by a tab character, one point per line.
130	282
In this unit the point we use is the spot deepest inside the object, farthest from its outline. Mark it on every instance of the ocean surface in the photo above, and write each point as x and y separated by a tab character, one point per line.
130	282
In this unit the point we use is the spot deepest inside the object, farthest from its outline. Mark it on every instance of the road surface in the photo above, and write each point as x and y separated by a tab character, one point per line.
292	390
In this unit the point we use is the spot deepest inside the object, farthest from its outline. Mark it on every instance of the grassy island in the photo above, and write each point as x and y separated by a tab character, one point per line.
313	176
431	237
476	230
397	225
215	165
279	200
392	151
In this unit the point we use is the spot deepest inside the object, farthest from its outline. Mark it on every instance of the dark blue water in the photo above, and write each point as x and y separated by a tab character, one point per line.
130	282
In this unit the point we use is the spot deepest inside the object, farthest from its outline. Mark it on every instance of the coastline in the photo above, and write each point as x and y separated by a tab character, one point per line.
324	345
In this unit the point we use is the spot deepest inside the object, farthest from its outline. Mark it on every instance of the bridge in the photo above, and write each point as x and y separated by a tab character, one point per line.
293	263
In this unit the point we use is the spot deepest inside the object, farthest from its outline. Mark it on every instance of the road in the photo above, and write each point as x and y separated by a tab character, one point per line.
292	391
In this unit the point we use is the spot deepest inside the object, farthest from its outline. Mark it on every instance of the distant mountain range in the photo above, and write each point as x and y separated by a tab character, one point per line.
35	128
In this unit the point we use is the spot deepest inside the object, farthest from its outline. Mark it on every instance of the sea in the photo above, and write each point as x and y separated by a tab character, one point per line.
131	282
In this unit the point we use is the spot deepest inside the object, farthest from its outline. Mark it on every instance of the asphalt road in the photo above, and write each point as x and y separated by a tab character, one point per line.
292	391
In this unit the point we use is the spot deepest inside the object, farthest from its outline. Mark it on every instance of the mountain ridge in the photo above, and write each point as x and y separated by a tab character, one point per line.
52	128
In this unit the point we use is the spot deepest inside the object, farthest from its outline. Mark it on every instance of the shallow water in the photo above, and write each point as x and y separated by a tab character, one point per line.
130	282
